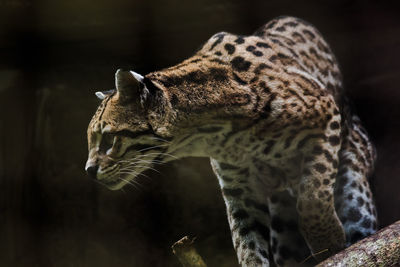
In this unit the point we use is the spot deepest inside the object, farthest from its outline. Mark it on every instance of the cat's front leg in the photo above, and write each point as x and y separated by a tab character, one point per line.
319	222
248	215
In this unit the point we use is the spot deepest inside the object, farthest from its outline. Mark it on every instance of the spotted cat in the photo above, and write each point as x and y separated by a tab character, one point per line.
268	109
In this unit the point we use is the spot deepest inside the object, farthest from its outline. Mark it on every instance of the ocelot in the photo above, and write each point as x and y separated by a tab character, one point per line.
269	110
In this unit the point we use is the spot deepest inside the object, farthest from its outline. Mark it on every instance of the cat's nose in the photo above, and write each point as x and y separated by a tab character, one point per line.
92	171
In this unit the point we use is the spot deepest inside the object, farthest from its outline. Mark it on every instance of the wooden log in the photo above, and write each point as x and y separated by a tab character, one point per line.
187	254
379	249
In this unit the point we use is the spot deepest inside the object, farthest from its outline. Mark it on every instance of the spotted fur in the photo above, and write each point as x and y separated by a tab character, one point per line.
291	158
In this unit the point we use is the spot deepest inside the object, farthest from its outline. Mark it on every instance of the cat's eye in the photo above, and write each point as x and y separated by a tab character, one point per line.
107	140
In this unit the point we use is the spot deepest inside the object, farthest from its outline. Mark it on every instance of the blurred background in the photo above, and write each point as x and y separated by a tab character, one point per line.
55	54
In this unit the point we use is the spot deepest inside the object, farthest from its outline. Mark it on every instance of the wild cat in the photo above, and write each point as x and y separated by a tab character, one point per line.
269	110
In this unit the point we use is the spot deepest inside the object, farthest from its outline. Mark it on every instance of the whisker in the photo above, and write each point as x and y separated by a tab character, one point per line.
135	173
160	139
136	161
148	168
149	154
145	176
140	156
135	185
139	166
152	147
151	161
132	171
168	154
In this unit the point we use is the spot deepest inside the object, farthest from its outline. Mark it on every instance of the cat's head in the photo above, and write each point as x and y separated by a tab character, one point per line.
121	136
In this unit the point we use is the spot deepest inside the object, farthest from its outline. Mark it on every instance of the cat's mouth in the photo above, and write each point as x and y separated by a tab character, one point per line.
112	184
125	171
122	177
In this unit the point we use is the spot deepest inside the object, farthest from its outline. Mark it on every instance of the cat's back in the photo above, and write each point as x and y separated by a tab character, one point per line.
285	46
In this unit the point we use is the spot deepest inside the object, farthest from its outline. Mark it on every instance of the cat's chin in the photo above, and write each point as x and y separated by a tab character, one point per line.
115	186
120	182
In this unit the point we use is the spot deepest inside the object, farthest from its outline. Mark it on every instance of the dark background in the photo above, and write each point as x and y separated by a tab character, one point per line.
55	54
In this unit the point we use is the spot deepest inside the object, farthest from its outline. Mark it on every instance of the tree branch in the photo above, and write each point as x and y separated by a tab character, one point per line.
187	254
379	249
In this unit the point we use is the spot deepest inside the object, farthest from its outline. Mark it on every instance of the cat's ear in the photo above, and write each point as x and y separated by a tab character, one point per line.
103	94
130	86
